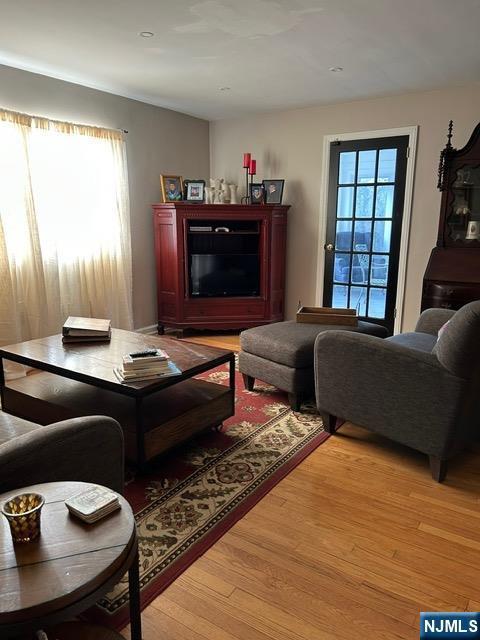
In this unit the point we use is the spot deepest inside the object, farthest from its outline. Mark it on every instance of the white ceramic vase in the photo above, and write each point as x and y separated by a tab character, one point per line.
225	193
208	195
233	194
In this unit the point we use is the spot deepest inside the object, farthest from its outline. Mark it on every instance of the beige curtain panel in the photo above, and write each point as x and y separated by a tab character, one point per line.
64	226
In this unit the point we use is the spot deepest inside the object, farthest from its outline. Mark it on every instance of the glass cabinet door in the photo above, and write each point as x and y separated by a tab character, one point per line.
464	212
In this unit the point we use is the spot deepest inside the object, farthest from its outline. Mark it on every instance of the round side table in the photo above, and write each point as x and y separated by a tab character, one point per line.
69	568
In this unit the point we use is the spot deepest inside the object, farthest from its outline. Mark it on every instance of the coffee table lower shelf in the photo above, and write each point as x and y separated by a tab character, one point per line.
163	420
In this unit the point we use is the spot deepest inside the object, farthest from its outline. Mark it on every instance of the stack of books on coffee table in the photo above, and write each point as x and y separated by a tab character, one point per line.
146	365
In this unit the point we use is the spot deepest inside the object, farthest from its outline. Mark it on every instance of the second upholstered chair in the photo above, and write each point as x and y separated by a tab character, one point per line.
421	389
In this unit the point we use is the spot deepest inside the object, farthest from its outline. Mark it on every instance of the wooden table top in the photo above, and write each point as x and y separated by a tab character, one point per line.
69	561
94	362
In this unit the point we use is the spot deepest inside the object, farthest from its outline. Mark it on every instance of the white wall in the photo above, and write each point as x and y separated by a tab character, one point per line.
158	141
288	145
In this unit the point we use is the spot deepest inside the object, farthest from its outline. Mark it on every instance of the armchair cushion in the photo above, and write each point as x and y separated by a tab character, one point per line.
415	340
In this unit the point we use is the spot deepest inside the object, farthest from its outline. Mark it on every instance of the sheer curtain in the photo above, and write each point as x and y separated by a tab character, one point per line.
64	226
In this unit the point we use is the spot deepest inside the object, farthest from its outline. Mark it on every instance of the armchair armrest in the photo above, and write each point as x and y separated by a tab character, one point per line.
431	320
404	394
88	449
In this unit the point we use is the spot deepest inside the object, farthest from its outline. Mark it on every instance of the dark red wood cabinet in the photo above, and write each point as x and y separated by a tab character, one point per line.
452	277
184	229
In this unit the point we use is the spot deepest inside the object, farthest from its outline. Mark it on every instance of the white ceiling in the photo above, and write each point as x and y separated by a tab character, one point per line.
273	54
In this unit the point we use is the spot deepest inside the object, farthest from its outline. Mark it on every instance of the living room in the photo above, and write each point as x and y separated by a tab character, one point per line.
275	204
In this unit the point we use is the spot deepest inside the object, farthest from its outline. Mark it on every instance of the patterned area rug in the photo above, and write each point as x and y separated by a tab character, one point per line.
199	491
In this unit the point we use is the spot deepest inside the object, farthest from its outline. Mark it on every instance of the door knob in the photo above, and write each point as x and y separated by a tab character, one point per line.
329	246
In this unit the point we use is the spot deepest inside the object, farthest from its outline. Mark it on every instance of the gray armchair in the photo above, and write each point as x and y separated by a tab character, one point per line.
418	388
88	449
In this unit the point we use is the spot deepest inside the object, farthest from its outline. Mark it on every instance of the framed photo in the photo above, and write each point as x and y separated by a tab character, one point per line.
273	191
172	188
194	190
256	193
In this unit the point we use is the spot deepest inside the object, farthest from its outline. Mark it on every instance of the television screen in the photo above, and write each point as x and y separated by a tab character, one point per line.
216	275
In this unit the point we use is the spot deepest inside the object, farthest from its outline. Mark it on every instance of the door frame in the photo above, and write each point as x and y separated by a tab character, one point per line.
412	133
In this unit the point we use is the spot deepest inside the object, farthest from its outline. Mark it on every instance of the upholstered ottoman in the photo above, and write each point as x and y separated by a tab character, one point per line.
282	354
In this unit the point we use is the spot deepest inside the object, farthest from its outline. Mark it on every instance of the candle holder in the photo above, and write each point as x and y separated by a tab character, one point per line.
23	515
246	197
252	170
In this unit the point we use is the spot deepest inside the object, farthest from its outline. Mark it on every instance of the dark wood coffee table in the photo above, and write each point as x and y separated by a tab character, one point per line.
69	568
78	379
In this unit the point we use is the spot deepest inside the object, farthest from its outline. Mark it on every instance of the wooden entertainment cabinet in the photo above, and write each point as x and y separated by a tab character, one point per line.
188	235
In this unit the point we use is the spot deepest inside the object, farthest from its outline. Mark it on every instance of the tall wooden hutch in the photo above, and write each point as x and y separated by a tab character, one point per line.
452	277
219	266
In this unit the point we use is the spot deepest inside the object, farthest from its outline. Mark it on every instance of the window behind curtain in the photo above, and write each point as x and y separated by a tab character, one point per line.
64	226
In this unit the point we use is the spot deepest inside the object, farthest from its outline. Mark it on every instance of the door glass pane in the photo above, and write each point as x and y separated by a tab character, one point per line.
387	162
377	302
347	167
363	235
381	235
341	271
384	202
379	269
364	205
345	202
358	300
366	166
343	239
360	266
340	296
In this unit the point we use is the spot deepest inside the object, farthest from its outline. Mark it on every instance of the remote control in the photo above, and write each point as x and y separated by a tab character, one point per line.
143	354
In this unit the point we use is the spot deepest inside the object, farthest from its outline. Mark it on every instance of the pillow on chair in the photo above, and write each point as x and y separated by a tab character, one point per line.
458	344
442	329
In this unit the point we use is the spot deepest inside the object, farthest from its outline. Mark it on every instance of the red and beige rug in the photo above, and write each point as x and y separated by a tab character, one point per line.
199	491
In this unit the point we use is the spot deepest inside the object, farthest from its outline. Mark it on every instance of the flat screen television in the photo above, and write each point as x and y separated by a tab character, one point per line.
218	275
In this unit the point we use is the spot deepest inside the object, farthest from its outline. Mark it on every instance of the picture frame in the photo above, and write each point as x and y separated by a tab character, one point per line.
256	193
194	190
172	188
273	190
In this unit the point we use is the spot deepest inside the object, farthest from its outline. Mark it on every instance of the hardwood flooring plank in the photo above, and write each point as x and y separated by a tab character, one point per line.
156	625
291	622
203	613
180	605
463	579
452	537
281	583
388	538
372	574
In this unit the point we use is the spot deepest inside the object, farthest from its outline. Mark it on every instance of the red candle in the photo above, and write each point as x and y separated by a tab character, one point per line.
253	167
246	160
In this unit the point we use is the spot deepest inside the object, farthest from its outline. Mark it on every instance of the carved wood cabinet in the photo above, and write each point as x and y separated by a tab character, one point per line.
246	244
452	277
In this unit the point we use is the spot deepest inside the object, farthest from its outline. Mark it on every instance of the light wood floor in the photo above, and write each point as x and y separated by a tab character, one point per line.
353	543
